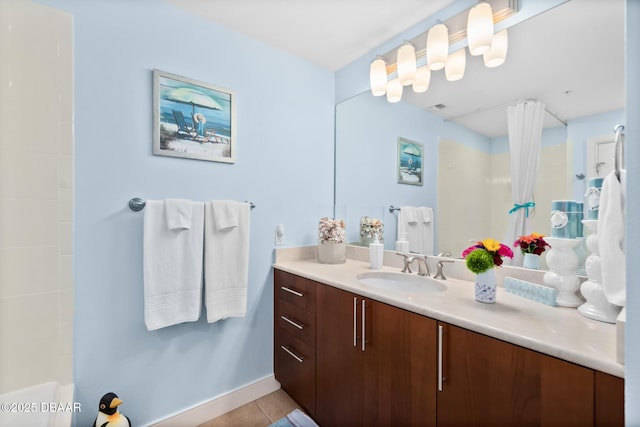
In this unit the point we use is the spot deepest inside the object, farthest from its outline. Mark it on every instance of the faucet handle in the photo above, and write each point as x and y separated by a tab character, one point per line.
439	266
406	268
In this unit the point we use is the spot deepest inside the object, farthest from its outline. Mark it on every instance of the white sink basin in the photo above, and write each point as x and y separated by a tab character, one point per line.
401	282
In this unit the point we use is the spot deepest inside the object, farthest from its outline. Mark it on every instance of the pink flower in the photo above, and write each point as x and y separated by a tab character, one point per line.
505	251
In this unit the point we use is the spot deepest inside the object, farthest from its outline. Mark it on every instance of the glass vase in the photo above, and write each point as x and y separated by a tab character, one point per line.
486	286
332	253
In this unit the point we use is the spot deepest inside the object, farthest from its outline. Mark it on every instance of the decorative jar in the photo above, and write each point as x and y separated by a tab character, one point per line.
332	248
486	286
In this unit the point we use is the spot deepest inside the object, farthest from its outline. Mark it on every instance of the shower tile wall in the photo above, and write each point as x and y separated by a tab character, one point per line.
36	195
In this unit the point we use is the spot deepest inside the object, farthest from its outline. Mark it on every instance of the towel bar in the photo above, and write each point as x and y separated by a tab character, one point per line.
137	204
393	208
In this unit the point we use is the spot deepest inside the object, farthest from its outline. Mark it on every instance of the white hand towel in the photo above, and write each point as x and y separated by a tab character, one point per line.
226	265
225	215
178	212
409	214
611	240
425	214
172	263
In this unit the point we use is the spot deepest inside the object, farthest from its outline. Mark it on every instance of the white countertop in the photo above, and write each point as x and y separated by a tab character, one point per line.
557	331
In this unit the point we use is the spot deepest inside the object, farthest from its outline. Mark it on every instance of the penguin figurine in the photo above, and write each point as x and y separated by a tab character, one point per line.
108	415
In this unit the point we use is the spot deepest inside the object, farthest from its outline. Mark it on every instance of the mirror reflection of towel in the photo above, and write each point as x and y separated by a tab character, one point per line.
417	225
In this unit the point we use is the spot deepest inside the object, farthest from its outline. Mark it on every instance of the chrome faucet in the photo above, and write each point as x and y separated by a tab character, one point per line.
423	266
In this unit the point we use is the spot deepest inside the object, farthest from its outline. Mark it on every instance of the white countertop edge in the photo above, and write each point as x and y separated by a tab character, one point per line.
555	331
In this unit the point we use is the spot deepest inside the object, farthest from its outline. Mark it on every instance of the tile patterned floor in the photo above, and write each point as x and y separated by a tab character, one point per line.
259	413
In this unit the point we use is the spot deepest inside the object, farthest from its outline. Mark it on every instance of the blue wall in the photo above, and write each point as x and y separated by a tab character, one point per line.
284	165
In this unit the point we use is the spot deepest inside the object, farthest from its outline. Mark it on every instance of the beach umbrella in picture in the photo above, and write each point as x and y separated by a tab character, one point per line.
192	97
413	151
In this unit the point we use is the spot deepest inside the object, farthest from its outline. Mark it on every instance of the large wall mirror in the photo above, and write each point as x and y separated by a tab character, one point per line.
559	57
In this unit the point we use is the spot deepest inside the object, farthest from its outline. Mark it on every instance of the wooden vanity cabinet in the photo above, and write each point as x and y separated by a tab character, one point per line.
488	382
294	353
321	363
387	380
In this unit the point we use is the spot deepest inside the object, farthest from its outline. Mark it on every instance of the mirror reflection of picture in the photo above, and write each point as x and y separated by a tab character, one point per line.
410	160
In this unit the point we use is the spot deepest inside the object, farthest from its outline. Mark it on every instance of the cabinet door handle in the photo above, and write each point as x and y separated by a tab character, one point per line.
440	334
355	316
363	324
296	293
297	325
292	354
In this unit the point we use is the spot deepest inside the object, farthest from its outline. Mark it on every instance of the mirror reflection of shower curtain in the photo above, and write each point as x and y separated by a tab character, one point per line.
524	123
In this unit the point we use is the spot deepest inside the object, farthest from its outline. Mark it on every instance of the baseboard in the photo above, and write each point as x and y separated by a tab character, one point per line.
221	405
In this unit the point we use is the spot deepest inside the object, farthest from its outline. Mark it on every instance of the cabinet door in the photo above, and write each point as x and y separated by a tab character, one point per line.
400	367
494	383
338	360
609	400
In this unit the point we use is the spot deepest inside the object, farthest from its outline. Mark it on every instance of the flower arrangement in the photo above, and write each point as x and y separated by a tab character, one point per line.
534	243
485	255
370	228
331	231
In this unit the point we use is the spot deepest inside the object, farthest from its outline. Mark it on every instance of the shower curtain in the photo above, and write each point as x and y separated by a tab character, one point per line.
524	123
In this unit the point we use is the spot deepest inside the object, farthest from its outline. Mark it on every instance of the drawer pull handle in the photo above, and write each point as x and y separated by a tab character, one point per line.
291	353
297	325
296	293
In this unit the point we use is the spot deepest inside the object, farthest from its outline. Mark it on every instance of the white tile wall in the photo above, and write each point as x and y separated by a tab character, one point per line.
485	182
36	195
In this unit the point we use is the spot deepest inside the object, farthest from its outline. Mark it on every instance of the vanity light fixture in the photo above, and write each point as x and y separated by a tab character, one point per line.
406	64
423	78
378	77
472	28
437	47
456	62
480	28
394	90
495	56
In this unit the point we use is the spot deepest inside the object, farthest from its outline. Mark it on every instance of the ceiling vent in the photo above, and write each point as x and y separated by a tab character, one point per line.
437	107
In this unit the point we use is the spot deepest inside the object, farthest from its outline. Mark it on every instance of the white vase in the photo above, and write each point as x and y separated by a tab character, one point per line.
486	286
597	307
332	253
562	261
531	261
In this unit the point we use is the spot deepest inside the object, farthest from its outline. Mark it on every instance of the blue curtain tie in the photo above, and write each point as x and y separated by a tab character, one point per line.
526	207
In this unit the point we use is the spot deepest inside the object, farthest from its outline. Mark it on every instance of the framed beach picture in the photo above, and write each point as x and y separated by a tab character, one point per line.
410	160
192	119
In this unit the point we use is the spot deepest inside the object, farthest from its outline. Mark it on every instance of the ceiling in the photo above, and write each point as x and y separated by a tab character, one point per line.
571	58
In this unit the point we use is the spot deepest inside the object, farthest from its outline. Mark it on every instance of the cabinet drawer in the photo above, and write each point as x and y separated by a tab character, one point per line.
295	369
295	290
300	323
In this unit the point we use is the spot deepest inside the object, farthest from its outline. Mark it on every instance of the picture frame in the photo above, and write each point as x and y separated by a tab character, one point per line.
410	161
193	119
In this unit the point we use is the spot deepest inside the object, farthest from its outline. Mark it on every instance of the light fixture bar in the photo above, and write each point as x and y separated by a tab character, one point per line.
457	25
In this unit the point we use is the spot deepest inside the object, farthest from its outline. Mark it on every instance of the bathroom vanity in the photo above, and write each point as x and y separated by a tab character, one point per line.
353	354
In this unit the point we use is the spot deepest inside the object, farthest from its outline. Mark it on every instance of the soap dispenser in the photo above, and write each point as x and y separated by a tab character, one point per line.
376	253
